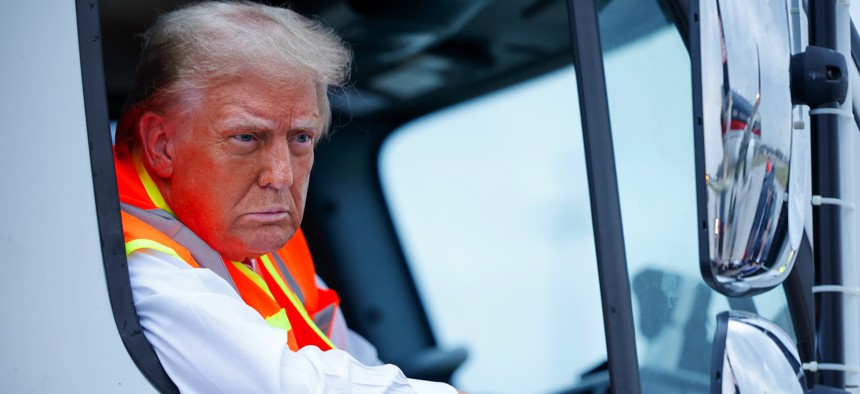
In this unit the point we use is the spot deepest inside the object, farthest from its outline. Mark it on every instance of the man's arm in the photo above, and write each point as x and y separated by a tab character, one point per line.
209	340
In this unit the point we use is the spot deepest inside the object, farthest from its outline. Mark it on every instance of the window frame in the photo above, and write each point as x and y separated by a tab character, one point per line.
107	199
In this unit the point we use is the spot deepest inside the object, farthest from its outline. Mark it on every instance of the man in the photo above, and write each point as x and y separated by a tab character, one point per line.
214	151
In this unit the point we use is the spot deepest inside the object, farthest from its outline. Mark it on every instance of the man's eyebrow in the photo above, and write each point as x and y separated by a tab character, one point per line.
244	120
306	123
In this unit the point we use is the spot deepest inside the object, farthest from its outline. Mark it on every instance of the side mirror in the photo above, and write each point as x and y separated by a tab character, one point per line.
745	139
754	355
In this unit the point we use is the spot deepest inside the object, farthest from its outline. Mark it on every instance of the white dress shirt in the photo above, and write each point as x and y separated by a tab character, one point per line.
210	341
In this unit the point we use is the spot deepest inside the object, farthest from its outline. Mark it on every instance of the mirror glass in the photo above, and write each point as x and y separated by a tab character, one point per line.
754	355
746	120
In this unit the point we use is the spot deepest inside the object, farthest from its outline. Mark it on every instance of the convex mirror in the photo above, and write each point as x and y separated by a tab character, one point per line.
743	119
754	355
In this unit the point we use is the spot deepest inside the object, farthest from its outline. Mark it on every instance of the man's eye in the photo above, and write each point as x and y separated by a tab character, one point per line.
303	138
245	137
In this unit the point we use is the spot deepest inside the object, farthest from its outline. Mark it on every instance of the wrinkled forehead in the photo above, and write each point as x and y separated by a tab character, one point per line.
250	84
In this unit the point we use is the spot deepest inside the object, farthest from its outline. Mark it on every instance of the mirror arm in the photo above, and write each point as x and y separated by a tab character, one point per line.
829	330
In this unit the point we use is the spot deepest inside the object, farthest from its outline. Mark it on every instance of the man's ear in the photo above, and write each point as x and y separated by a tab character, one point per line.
157	143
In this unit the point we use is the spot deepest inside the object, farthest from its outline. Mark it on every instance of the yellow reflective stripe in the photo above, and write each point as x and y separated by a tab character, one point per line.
279	320
137	244
253	277
267	263
149	185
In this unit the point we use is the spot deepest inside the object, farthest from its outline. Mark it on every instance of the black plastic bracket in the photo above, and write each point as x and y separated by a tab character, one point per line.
818	76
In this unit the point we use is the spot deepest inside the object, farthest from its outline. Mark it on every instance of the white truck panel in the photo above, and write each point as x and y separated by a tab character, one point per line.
58	332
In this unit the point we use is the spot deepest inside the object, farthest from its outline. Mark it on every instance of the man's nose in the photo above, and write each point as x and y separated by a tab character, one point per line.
277	171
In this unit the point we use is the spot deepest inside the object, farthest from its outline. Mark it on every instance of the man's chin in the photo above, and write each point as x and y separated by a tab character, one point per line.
257	242
268	244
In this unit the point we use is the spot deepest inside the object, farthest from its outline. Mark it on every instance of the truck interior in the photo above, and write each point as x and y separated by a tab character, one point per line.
450	209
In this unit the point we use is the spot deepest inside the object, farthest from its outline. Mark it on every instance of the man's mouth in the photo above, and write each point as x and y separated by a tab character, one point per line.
268	215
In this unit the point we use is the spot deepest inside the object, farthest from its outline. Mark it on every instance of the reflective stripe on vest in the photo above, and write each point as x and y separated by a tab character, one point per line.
150	186
291	282
323	316
313	337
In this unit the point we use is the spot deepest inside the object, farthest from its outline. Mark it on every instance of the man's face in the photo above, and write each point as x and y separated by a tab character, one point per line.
242	163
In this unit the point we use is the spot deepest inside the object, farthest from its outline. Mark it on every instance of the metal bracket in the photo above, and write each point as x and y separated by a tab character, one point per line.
832	111
836	289
818	201
815	366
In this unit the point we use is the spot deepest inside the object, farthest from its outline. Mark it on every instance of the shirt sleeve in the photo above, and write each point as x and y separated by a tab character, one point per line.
210	341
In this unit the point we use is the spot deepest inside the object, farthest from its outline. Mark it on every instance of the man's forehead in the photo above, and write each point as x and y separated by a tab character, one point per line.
263	101
237	115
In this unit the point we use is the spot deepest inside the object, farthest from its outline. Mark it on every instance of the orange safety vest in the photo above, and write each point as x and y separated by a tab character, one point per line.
283	289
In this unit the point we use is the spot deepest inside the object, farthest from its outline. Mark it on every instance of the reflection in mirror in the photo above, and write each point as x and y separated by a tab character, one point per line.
745	114
753	355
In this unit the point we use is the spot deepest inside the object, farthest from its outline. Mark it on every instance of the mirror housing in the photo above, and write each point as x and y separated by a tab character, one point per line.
754	355
751	145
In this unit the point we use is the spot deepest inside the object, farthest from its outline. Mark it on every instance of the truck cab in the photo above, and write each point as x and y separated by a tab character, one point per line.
509	200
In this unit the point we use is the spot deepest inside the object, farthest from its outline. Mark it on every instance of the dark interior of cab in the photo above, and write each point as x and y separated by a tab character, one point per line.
411	58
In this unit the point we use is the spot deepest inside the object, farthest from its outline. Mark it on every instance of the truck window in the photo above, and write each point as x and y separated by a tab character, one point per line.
490	200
